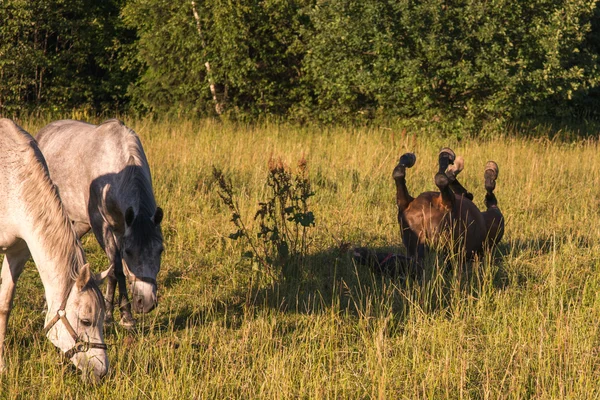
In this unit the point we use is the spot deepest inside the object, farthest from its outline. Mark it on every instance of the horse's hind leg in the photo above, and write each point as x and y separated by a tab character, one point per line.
452	172
403	199
12	266
493	217
446	158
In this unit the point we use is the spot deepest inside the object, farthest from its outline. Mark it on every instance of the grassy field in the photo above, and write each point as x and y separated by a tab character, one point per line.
522	323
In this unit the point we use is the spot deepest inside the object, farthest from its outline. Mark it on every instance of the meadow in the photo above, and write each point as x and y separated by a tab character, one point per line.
521	322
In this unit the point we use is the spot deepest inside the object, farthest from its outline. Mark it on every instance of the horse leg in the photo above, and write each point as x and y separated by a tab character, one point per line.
452	172
114	255
109	296
12	266
446	158
403	198
493	217
107	241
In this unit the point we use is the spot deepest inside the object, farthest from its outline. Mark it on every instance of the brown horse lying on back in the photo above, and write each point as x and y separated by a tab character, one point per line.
447	218
449	215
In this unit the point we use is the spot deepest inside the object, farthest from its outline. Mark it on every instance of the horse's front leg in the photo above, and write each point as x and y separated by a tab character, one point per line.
452	172
12	266
403	198
117	277
446	158
109	297
107	241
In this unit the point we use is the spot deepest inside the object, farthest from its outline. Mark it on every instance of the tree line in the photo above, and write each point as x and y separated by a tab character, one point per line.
326	60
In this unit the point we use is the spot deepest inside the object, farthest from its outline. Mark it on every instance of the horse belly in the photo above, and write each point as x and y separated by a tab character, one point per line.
469	226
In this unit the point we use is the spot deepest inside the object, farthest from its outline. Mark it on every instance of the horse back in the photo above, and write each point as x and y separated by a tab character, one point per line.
24	178
97	166
97	149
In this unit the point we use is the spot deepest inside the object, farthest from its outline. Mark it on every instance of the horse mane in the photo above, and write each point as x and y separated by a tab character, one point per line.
135	177
50	220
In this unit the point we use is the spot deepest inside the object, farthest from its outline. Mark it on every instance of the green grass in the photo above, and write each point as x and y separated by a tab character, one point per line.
520	324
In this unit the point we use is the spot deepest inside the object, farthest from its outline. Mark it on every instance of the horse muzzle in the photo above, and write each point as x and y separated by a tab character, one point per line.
94	366
143	293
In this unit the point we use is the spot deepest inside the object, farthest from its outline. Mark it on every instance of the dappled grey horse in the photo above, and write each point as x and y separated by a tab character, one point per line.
105	184
34	222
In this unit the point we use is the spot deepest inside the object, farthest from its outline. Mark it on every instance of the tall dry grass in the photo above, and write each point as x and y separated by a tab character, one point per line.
521	323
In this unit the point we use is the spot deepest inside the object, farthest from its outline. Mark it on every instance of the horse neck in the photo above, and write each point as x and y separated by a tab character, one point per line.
56	269
51	240
135	190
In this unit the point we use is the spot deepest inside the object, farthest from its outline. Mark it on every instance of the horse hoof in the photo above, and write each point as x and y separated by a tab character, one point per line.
454	169
490	175
127	323
447	152
441	180
408	160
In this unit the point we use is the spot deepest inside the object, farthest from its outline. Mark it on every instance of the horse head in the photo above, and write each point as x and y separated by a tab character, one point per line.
142	247
77	326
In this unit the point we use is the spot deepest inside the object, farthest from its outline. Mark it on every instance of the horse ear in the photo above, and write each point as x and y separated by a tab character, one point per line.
99	278
158	216
84	276
129	216
131	161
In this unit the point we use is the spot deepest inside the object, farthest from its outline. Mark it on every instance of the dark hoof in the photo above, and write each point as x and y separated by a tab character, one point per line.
127	322
454	169
406	161
447	153
446	158
490	175
441	180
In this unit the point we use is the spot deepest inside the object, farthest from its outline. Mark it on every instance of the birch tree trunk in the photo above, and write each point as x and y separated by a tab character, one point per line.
219	98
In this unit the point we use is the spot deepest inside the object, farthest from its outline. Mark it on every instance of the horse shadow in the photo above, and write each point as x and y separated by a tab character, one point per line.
337	279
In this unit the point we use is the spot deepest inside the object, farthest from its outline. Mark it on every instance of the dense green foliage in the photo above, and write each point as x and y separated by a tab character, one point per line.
335	60
62	54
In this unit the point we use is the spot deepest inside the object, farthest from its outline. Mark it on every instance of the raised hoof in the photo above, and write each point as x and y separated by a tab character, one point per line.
490	175
441	180
446	158
447	152
454	169
406	161
127	322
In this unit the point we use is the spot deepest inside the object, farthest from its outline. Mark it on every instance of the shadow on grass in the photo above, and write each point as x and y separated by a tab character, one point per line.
378	282
333	280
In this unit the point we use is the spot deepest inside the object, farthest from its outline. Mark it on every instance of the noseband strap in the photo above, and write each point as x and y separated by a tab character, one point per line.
80	346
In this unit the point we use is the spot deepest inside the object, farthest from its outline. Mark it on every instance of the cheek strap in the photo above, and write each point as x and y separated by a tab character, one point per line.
80	346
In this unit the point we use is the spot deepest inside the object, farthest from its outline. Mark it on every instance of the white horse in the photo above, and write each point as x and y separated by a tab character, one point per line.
34	223
105	184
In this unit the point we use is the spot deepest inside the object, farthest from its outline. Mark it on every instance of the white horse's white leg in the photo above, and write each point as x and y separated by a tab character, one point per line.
12	266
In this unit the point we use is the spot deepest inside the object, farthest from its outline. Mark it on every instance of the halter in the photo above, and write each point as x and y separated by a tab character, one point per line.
80	346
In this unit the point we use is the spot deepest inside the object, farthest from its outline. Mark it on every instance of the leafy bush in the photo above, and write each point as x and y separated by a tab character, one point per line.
283	218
